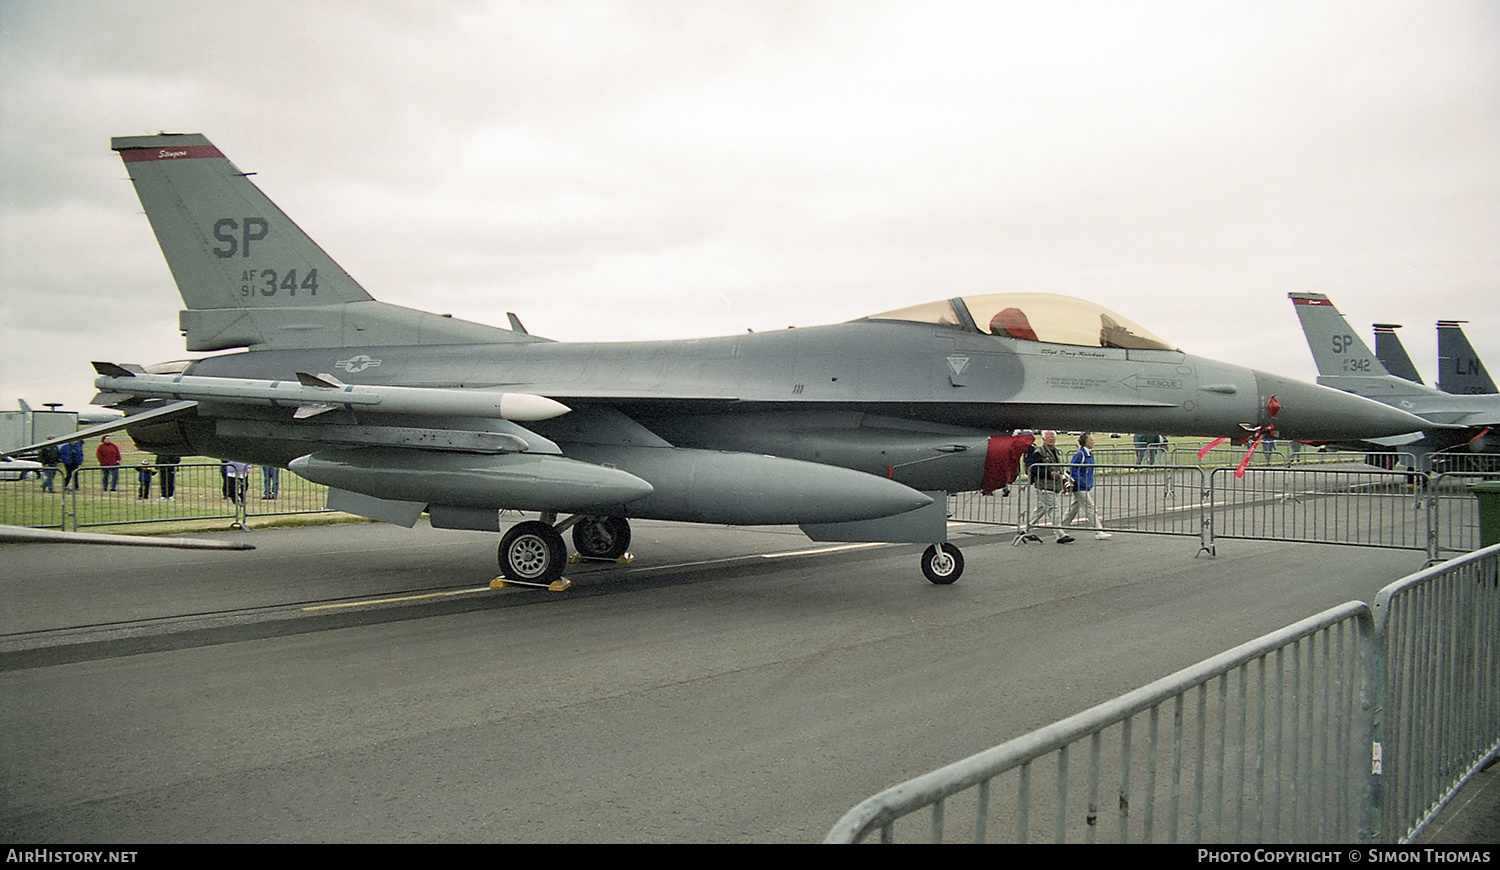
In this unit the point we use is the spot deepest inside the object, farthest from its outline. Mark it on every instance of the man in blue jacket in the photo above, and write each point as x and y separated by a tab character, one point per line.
71	455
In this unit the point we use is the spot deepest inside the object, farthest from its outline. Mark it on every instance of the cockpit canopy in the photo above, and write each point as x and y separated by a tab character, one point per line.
1033	317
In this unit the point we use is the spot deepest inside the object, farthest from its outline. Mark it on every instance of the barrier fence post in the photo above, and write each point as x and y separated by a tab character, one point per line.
1205	514
1372	724
70	507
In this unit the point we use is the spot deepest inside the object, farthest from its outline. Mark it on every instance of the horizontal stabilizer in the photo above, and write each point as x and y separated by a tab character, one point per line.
53	536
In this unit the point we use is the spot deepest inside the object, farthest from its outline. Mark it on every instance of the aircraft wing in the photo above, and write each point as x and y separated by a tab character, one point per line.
156	415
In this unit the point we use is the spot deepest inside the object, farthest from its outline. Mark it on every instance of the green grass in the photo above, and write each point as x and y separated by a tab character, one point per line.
198	504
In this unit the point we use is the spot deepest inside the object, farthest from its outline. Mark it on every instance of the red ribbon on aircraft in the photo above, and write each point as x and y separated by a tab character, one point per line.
1273	407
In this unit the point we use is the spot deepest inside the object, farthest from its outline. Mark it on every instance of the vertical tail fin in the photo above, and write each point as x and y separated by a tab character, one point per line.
248	275
1392	354
1337	350
227	244
1460	369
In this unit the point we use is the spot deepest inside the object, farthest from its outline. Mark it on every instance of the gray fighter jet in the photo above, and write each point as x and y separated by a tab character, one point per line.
854	432
1345	362
1460	370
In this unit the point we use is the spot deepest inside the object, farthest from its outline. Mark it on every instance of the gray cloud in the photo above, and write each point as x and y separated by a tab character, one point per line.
644	170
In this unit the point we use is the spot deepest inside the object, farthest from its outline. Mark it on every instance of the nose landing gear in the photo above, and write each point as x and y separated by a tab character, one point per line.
942	563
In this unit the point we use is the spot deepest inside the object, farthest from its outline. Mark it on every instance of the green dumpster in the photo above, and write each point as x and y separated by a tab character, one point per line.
1488	493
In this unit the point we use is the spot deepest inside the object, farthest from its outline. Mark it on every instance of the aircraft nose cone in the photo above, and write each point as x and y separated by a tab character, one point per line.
1309	412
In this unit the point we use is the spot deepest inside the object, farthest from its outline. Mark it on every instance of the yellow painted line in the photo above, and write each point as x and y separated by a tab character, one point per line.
393	600
727	559
838	549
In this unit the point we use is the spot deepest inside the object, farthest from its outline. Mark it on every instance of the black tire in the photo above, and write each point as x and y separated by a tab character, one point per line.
532	552
942	564
602	537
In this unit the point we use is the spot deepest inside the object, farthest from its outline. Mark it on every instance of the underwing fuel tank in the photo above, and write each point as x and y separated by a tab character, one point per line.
524	481
705	486
719	486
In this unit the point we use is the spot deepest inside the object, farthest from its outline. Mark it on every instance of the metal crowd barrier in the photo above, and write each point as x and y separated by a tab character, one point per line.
1440	632
995	509
1271	741
189	491
1351	504
1164	500
1366	507
1454	512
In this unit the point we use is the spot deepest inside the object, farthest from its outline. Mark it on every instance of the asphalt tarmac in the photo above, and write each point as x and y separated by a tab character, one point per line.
363	683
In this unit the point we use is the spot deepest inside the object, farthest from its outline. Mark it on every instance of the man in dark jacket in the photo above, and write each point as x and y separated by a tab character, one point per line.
50	459
167	465
1048	477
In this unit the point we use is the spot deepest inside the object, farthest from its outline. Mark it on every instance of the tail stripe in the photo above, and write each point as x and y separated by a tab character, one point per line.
180	152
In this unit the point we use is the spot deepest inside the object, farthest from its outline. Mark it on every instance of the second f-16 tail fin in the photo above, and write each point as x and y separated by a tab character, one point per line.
248	275
1459	368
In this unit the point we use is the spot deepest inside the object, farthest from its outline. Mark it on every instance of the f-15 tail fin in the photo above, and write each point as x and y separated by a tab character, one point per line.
1459	368
1392	353
248	275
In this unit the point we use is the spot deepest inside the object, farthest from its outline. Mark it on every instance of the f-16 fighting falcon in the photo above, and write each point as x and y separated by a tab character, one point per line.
854	432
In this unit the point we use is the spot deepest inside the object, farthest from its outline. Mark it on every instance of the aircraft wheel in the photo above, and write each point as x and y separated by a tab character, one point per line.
532	552
602	537
942	563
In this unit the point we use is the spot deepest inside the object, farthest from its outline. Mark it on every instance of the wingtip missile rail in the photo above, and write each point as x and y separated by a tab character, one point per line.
311	395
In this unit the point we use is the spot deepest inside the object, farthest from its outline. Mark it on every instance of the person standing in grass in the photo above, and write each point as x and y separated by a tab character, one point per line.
167	464
108	456
235	476
50	458
71	454
143	473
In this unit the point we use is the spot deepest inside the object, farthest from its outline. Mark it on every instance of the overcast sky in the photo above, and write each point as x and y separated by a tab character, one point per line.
617	171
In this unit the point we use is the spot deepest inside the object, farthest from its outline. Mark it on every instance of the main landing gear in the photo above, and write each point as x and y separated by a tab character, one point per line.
601	537
533	553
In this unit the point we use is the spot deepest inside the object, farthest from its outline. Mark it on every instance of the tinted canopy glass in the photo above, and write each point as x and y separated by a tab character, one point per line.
1034	317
